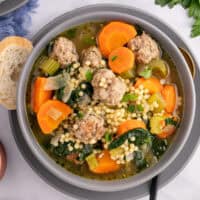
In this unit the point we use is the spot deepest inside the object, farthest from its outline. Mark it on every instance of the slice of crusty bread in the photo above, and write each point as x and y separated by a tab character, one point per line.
14	52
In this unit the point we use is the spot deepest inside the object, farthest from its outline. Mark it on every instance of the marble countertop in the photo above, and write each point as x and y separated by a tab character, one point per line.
22	183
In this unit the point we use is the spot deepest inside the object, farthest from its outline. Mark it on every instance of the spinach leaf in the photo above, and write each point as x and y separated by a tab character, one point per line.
87	150
140	161
159	146
62	149
141	135
171	121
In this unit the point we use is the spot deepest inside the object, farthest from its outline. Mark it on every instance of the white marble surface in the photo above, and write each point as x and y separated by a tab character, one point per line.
21	183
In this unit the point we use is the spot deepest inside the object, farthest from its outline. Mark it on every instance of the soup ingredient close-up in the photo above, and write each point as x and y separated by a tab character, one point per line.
104	100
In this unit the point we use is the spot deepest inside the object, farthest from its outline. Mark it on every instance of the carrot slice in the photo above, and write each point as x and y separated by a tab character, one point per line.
152	84
169	93
105	164
39	95
121	60
168	130
51	114
129	125
113	35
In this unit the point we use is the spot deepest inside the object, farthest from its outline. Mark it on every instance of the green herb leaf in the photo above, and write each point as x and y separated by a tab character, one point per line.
114	58
196	28
171	121
139	108
129	97
194	9
131	108
186	3
71	33
140	161
146	73
88	75
80	115
108	137
162	2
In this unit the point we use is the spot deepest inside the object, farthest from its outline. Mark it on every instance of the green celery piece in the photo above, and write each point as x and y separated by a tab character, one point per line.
146	73
129	97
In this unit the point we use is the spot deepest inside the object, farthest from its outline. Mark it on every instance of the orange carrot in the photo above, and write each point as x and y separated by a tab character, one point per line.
167	131
113	35
39	95
51	114
121	60
169	93
152	84
129	125
105	164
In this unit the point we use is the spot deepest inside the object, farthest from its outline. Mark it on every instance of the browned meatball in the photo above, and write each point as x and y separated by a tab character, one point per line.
91	57
89	129
145	48
107	87
64	51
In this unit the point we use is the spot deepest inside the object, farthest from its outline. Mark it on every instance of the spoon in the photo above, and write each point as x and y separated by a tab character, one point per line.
3	161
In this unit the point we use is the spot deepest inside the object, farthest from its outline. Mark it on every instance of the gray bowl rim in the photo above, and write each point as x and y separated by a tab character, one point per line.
95	185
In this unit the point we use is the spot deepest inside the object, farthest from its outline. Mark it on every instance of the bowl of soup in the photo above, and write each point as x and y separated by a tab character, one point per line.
106	101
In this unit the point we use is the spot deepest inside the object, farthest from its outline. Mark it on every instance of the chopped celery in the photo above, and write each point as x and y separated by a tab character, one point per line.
49	66
156	124
159	68
157	97
92	161
129	74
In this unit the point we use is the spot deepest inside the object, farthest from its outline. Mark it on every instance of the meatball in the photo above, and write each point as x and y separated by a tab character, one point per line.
91	57
145	48
107	87
64	51
89	129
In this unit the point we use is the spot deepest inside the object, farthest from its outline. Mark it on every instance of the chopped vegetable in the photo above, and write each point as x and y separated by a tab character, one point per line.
131	108
113	35
141	135
39	95
85	151
157	97
171	121
49	66
129	97
152	84
167	131
105	164
123	62
128	74
92	161
146	73
130	125
108	137
89	75
56	82
159	68
159	146
169	94
157	124
140	161
47	122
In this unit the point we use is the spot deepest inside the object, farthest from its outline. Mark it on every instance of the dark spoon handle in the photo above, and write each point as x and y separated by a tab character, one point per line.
153	188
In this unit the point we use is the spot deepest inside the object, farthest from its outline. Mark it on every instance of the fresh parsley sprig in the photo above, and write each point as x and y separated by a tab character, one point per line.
193	7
